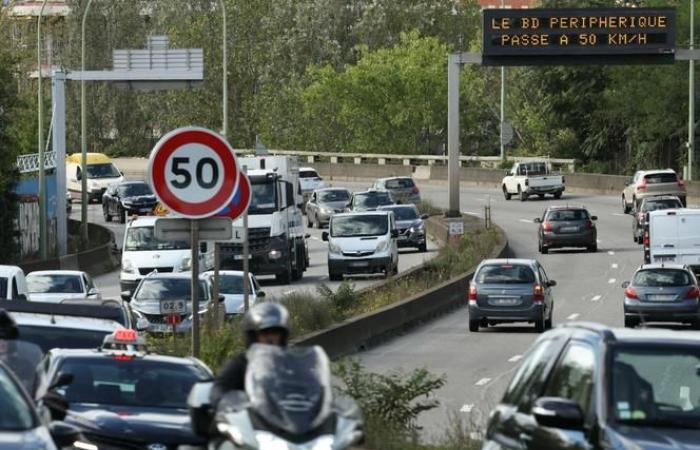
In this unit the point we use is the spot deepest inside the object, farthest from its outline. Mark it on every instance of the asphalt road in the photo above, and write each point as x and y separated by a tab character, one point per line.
316	274
478	366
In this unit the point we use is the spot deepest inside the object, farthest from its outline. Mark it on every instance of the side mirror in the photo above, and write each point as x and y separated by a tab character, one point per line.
625	284
199	404
22	297
63	379
222	298
594	217
537	220
142	324
79	176
507	173
93	292
424	216
126	296
203	247
551	283
394	233
289	195
260	294
560	413
63	434
324	236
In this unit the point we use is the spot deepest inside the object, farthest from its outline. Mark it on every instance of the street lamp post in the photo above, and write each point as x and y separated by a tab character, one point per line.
691	96
43	244
503	101
83	139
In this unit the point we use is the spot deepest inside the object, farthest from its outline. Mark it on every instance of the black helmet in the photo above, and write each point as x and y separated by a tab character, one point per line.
8	326
265	316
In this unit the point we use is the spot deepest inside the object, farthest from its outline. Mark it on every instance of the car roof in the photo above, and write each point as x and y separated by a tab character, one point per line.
56	272
653	171
363	213
58	321
143	221
660	197
371	191
171	275
565	207
10	270
332	189
123	183
655	335
92	352
397	178
307	168
521	261
662	266
226	272
403	205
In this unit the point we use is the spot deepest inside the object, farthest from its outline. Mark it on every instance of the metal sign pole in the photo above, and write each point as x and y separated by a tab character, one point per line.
246	254
194	241
215	293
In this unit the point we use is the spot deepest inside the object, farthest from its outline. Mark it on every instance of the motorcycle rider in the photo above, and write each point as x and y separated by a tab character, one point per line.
265	323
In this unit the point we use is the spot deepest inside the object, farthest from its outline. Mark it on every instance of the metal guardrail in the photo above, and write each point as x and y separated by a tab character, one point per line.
30	163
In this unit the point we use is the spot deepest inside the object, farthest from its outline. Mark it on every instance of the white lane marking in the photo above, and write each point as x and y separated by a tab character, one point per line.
315	238
614	265
471	213
515	358
611	280
526	221
467	408
574	316
596	298
611	253
619	214
482	382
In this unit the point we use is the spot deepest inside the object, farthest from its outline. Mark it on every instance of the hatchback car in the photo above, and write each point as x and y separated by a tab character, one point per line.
402	189
369	201
586	386
58	285
127	198
411	226
510	290
651	204
662	293
324	203
650	183
231	287
566	226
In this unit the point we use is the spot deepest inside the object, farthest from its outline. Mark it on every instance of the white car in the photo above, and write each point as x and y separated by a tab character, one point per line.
13	283
672	236
54	286
231	287
309	181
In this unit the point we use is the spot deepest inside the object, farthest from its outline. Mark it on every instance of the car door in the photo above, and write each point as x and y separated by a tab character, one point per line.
573	378
512	181
630	189
505	424
311	206
544	280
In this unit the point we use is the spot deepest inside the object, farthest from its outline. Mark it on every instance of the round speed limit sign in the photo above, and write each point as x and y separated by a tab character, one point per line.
193	172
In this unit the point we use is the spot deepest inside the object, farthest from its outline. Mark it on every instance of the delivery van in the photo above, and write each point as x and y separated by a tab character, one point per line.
673	236
101	172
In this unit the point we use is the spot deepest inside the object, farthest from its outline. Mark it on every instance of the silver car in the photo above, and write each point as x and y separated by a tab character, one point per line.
402	189
324	203
510	290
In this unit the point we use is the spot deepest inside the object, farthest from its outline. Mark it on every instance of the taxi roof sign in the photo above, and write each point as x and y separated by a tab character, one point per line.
124	339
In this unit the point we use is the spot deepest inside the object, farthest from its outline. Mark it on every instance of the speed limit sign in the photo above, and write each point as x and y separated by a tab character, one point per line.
193	172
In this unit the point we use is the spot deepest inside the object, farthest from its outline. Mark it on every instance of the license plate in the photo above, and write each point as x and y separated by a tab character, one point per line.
661	297
662	258
359	264
568	229
146	209
403	237
504	301
173	307
240	257
160	328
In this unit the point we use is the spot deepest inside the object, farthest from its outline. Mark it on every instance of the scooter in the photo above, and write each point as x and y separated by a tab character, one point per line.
287	404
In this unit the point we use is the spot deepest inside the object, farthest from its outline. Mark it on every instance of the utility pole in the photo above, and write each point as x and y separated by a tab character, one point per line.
691	97
503	101
43	236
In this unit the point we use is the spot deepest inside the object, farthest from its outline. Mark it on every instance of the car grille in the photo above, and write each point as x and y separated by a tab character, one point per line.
147	270
358	254
403	230
258	242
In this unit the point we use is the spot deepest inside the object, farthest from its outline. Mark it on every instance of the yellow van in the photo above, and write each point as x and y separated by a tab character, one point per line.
101	172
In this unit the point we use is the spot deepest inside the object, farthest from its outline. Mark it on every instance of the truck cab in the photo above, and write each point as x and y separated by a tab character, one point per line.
13	285
276	235
101	172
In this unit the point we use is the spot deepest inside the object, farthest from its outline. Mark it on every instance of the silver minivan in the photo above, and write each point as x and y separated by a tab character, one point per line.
362	243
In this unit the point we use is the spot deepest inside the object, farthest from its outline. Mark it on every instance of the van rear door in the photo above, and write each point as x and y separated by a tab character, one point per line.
689	237
663	236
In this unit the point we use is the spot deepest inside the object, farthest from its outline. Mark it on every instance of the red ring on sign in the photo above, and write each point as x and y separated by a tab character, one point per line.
214	143
235	210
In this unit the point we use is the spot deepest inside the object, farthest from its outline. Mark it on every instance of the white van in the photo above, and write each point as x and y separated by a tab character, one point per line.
362	243
673	236
13	284
142	253
101	172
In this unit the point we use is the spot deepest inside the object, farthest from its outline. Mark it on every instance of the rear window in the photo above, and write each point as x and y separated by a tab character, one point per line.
661	204
308	174
47	338
399	183
661	178
533	169
505	274
54	284
567	214
662	278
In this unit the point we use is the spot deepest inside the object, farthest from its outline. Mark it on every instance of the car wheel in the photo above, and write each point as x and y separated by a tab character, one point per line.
695	324
544	249
521	194
505	193
625	207
539	325
286	276
557	195
395	270
474	326
541	196
592	248
122	215
630	322
423	247
105	213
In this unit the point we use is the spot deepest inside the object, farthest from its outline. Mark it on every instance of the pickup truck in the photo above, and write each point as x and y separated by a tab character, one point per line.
13	284
532	178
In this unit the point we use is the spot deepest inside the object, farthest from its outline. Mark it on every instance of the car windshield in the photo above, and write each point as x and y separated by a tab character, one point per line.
372	200
168	289
17	414
263	198
144	239
564	215
130	382
399	183
308	174
662	278
233	285
657	178
505	274
333	196
365	225
106	170
656	385
661	204
404	213
54	284
49	337
135	190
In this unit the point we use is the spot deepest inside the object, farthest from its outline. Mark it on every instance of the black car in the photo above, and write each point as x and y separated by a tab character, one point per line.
647	205
127	198
121	396
566	226
586	386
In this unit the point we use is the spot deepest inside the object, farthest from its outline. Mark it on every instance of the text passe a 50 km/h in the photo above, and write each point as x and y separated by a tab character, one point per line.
579	36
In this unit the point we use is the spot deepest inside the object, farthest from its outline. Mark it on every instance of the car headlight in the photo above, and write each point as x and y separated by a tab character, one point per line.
127	203
419	227
185	265
334	248
127	266
275	254
382	246
326	210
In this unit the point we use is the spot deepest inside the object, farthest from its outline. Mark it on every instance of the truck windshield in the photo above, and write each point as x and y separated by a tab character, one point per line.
144	239
106	170
263	198
365	225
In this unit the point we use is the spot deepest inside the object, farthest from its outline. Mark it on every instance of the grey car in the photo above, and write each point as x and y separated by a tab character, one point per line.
567	226
662	293
647	205
510	290
323	203
402	189
411	226
369	200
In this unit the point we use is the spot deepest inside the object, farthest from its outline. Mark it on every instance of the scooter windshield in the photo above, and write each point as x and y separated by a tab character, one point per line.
22	358
290	388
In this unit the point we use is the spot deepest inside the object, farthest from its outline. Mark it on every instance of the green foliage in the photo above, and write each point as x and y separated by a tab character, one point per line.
342	300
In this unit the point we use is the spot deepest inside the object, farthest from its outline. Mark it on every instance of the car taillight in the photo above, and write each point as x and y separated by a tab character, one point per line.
589	224
122	357
694	292
547	226
640	216
472	293
538	293
630	292
647	240
642	186
415	190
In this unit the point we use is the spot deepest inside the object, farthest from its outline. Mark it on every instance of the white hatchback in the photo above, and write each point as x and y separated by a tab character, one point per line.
54	286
